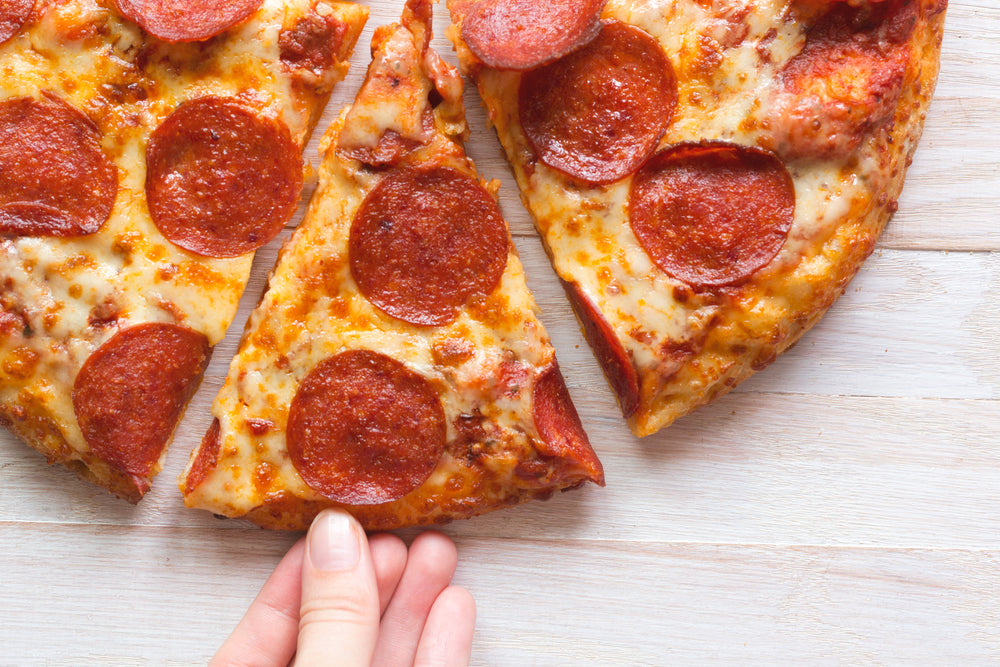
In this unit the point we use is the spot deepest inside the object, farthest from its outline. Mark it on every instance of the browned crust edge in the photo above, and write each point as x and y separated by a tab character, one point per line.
41	433
848	248
285	512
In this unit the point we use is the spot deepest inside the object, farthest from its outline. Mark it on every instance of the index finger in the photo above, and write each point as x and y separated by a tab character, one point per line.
269	631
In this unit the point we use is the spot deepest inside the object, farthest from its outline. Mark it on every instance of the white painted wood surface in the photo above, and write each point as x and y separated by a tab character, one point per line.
841	507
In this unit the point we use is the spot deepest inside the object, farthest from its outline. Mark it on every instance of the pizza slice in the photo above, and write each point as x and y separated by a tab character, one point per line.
147	149
395	366
707	176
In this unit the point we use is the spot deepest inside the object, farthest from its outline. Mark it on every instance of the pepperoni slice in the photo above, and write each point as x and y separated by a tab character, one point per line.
712	214
426	240
187	20
131	392
13	14
313	42
523	34
559	424
610	352
54	178
221	181
598	113
207	458
363	429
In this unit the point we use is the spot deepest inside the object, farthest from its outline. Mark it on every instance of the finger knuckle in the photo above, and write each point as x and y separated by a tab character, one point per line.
345	609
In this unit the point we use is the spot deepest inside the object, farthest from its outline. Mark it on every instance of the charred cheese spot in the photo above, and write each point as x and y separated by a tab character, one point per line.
20	364
199	275
259	427
167	273
453	351
263	477
104	314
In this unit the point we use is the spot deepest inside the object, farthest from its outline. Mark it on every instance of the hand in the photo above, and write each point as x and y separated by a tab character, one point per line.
339	598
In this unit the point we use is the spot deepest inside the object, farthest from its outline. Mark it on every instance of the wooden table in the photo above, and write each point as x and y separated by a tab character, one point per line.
841	507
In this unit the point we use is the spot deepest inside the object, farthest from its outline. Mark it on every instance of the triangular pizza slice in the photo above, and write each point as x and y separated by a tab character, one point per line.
395	366
707	176
147	149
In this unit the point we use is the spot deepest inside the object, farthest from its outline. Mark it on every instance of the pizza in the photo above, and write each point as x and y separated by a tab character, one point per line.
396	366
708	175
147	149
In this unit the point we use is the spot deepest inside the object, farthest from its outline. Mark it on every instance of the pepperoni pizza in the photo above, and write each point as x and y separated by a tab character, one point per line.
395	366
147	149
707	176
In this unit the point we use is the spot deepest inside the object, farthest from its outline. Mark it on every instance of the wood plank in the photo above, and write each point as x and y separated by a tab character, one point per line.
167	596
911	324
751	469
636	605
172	596
970	52
949	200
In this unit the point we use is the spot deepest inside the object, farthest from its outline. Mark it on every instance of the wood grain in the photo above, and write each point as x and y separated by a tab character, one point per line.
843	506
549	602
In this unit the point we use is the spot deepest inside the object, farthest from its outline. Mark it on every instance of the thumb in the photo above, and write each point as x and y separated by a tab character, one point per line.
339	616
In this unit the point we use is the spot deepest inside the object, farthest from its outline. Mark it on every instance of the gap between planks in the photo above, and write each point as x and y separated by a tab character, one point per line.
408	534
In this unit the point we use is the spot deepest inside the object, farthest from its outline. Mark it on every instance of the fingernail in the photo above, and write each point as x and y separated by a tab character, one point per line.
333	543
